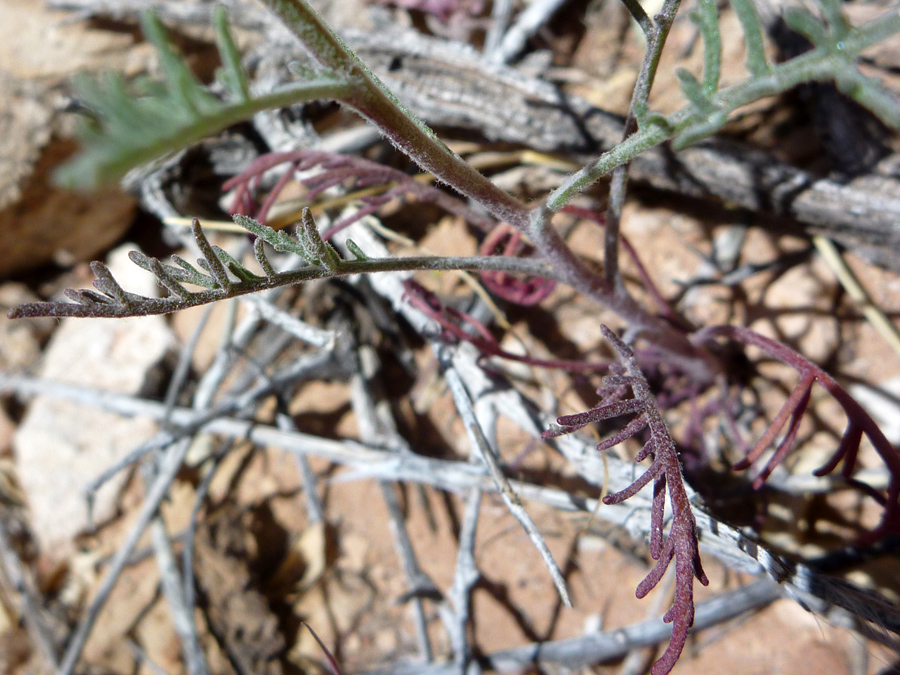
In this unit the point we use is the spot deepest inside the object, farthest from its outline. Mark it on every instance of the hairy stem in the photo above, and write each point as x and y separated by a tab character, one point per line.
375	102
820	65
657	33
150	306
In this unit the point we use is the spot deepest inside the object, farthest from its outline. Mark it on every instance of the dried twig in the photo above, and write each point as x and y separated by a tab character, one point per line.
168	469
377	425
526	25
487	455
718	539
173	587
30	606
596	648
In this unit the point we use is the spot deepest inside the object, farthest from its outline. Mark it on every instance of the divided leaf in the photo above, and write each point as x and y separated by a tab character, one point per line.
133	126
222	276
859	424
681	543
837	44
757	64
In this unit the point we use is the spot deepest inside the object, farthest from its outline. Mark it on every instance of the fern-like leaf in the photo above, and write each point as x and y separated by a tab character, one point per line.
836	45
859	424
680	545
757	64
218	274
706	18
153	119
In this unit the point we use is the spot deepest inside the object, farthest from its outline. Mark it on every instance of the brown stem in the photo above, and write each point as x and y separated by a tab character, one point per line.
374	101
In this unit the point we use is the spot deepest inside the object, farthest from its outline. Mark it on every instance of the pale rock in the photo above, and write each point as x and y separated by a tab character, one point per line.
61	446
881	403
20	340
39	222
19	348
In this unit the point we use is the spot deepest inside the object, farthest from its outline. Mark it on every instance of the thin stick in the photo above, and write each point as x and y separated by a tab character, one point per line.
299	329
501	10
168	469
173	586
595	648
618	188
187	553
17	577
510	498
373	427
142	658
465	577
315	512
717	538
527	24
182	611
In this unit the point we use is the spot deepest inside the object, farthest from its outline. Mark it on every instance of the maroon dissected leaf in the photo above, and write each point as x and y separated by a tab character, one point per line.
847	450
794	408
453	325
859	424
617	409
681	543
354	173
513	289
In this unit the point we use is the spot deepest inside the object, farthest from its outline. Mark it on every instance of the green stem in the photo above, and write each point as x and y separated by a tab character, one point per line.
375	102
657	36
624	152
821	65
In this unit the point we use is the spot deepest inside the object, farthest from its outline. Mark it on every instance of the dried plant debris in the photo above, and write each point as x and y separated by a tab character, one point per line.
422	514
239	615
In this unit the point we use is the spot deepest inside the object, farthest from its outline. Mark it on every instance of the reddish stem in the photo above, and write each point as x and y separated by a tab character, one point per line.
429	304
662	304
859	420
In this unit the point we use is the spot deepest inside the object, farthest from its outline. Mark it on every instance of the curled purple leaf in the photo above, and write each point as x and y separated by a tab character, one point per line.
681	543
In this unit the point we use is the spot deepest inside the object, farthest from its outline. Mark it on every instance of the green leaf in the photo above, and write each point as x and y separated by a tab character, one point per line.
232	74
695	93
699	130
317	249
357	252
706	19
647	118
153	119
235	267
801	21
871	94
757	64
277	239
838	26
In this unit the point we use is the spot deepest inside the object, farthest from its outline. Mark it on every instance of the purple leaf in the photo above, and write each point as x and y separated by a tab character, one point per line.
681	544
